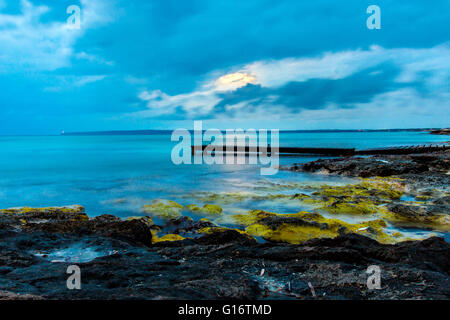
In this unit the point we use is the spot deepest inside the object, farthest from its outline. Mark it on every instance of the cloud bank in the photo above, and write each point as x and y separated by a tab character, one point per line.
332	80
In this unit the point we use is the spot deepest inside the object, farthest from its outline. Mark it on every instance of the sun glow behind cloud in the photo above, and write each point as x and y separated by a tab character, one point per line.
233	81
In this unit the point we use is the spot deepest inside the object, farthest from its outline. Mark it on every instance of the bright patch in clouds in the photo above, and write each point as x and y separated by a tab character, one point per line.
201	101
234	80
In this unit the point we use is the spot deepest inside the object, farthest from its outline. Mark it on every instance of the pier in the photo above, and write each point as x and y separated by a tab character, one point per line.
403	150
332	152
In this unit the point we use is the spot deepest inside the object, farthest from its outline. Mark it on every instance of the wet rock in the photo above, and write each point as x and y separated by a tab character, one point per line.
381	166
163	209
133	231
441	131
143	261
297	287
7	295
226	264
444	201
218	236
408	211
167	238
186	226
23	215
431	216
302	226
211	210
274	222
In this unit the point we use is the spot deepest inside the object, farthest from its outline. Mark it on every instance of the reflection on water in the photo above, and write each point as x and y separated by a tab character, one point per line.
76	253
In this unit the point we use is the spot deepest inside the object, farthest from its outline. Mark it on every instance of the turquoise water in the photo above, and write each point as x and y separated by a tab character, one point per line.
119	174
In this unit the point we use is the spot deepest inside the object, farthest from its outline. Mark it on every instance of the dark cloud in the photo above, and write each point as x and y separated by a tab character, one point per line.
176	42
315	94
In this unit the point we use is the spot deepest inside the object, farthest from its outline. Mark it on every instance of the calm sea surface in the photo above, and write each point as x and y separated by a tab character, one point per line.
118	174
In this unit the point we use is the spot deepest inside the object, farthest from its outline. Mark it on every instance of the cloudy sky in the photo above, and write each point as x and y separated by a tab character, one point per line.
160	64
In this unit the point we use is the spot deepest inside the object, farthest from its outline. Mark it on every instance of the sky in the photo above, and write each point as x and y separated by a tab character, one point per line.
274	64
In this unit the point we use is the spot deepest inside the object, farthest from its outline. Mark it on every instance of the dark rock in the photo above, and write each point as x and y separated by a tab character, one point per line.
227	265
407	211
186	226
222	264
441	131
444	201
298	287
274	222
381	166
133	231
7	295
226	237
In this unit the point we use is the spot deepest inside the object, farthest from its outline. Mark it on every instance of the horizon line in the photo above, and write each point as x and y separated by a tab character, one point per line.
168	131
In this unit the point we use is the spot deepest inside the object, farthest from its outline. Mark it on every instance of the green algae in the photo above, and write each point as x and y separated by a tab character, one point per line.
232	198
163	209
423	198
212	230
339	206
378	190
77	212
277	186
363	198
302	226
167	237
147	220
221	198
207	209
421	219
25	210
212	209
367	198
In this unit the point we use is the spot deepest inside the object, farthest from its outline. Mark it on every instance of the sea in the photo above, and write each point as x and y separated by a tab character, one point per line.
118	174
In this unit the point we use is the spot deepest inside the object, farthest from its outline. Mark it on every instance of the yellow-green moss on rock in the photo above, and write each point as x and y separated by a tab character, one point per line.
163	209
211	230
207	209
167	237
221	198
363	198
337	206
147	220
300	227
74	212
25	210
416	215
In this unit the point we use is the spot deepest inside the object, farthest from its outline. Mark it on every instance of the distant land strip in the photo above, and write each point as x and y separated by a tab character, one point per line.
167	132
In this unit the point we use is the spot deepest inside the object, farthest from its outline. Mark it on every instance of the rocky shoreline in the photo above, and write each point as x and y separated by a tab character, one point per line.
445	131
305	256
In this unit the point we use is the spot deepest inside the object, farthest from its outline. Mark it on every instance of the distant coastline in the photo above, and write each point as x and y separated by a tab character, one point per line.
164	132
